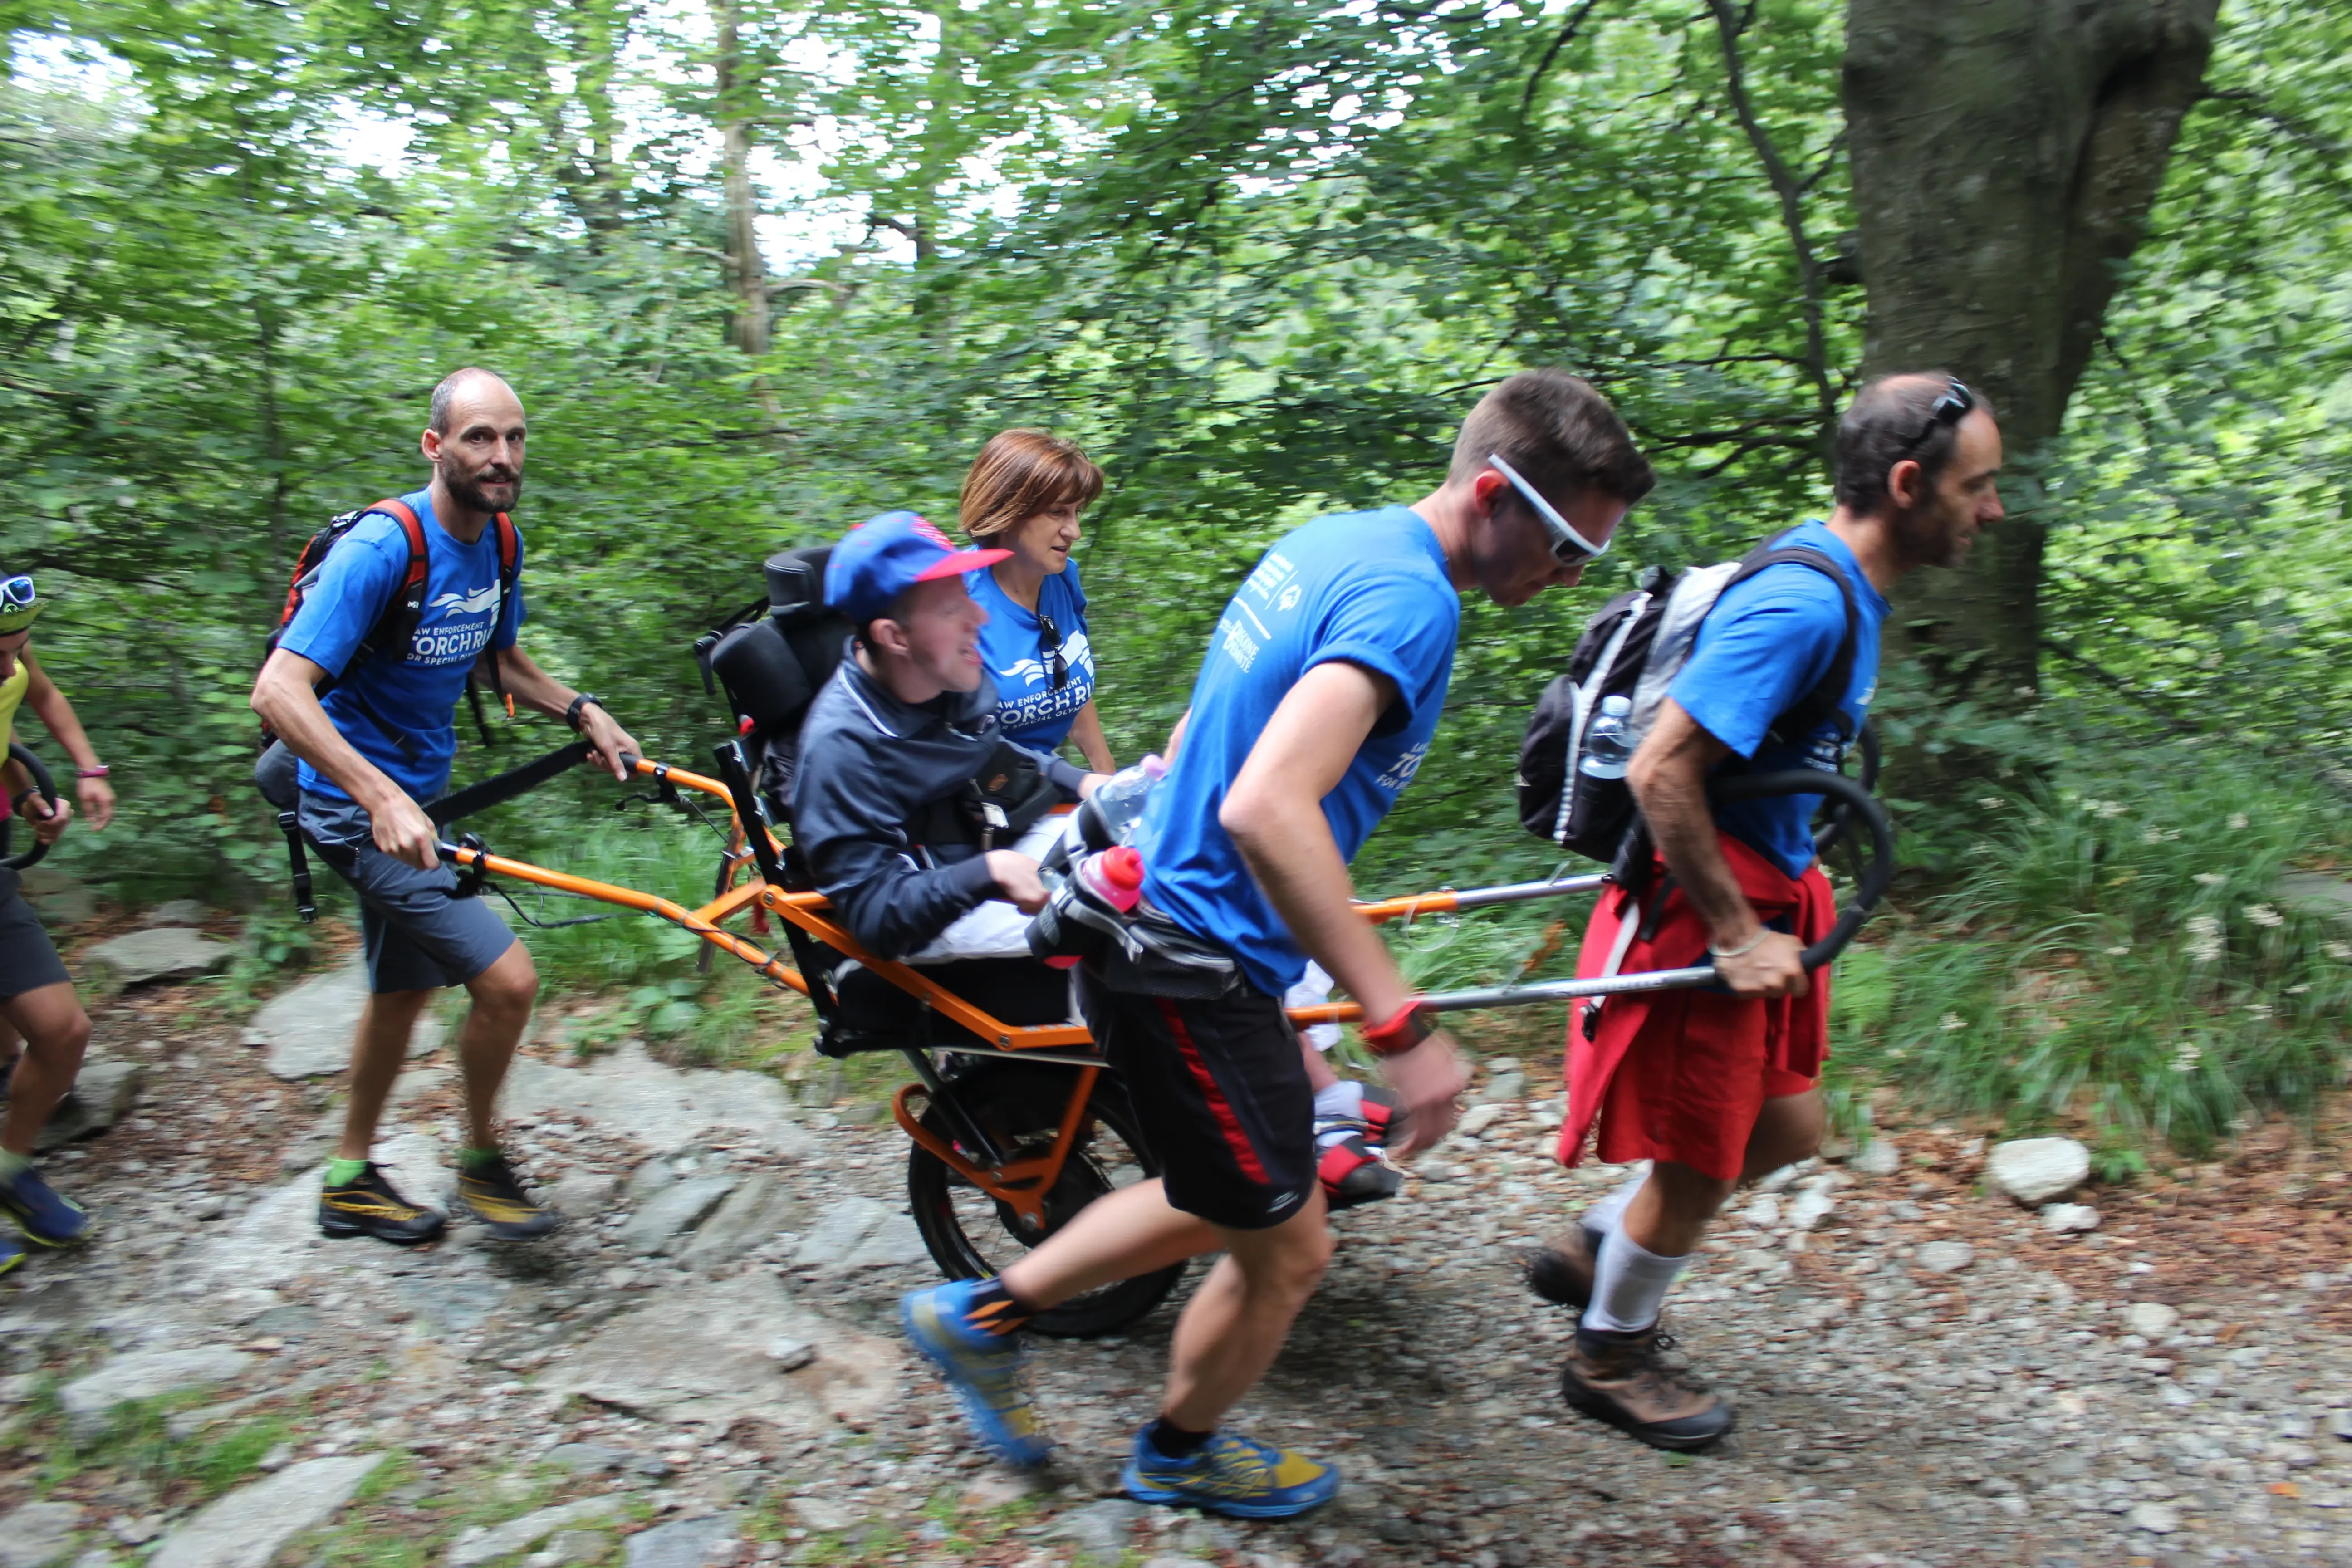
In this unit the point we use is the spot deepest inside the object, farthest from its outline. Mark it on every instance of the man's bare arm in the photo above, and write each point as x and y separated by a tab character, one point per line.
286	695
1274	813
1668	776
541	692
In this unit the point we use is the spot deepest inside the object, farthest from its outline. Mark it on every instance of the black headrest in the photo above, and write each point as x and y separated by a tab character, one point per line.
796	577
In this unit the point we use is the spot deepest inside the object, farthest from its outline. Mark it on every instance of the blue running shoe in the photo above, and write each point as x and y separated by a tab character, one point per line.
45	1218
1229	1475
984	1370
11	1252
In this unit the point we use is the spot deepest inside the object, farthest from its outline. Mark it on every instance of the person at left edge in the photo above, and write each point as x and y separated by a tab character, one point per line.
38	1001
376	747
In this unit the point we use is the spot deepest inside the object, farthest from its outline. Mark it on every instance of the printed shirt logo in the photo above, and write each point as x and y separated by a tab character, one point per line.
459	626
471	604
1038	702
1289	600
1399	773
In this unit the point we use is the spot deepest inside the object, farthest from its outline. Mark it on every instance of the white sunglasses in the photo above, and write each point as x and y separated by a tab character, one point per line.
1568	547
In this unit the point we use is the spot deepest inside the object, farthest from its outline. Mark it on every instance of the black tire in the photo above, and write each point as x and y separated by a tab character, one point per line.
49	792
971	1235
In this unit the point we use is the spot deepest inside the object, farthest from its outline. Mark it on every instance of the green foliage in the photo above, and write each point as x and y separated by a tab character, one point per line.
2119	957
1260	258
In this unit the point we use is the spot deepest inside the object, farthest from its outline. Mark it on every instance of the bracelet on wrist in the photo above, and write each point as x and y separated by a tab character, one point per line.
573	714
1752	944
97	773
1410	1027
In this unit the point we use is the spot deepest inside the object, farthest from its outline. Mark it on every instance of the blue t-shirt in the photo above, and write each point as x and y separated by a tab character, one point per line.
1764	646
1369	588
416	698
1034	714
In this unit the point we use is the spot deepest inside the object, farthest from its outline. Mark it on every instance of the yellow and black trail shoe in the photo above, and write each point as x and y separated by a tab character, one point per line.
369	1204
491	1193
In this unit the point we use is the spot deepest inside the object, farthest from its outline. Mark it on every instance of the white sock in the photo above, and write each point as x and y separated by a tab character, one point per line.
1629	1285
1344	1098
1607	1215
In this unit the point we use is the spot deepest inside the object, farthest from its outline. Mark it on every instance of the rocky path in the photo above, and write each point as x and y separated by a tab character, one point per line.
702	1369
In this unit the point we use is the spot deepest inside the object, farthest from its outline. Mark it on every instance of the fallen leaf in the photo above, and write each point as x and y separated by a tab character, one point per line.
2285	1488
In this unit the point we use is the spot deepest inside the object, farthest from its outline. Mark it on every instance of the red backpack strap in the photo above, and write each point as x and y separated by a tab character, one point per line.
420	563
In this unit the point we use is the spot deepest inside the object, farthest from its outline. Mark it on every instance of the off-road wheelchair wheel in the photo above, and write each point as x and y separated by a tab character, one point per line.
971	1235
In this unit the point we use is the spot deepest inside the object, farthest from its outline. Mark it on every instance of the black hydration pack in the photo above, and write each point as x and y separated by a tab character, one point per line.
1634	648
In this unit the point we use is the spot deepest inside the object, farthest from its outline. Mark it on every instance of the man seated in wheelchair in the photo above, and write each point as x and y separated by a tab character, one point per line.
915	817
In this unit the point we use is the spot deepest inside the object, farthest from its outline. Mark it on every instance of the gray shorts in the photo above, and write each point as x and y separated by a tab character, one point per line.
418	934
28	960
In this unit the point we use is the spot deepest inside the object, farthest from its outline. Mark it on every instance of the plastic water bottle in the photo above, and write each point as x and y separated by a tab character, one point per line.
1103	887
1115	876
1118	804
1609	740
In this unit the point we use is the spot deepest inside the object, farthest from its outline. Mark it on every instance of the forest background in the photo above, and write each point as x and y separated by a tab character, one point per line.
761	270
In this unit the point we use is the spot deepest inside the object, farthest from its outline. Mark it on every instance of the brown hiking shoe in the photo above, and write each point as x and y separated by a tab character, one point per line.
1622	1379
1561	1269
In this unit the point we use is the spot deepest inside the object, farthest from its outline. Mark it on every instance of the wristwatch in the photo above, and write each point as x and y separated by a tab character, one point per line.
571	714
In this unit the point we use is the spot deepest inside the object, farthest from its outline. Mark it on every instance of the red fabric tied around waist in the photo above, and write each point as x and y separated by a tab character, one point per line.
1681	1074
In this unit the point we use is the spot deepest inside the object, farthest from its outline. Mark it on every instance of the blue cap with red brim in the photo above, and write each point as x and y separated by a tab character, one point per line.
884	557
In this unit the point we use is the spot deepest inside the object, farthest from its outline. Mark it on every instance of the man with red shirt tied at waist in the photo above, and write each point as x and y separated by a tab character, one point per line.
1716	1088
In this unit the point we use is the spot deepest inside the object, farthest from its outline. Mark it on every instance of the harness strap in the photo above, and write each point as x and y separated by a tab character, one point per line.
502	787
297	865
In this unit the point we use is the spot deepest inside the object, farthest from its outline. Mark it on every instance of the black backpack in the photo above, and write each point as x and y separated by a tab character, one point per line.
1634	648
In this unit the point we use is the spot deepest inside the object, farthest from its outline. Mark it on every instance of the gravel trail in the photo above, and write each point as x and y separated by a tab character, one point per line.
703	1368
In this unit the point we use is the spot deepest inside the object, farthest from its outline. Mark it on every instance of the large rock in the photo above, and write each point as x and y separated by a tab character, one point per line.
698	1352
687	1542
488	1544
58	898
672	1211
750	1216
308	1029
165	952
2037	1170
177	912
2322	893
102	1095
1879	1157
245	1528
860	1233
630	1094
91	1399
37	1534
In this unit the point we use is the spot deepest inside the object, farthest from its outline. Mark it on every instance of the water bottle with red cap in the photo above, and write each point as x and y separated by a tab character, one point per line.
1103	888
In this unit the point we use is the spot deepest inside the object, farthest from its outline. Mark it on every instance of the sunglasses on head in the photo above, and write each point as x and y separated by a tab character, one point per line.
17	594
1953	406
1568	547
1049	650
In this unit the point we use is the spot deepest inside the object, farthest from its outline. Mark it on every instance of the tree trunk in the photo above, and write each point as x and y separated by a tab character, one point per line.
2005	156
747	272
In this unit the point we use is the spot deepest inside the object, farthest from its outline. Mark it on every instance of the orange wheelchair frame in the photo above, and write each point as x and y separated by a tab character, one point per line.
1024	1185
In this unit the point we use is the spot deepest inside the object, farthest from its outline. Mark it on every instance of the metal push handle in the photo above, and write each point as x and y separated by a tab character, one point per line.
47	789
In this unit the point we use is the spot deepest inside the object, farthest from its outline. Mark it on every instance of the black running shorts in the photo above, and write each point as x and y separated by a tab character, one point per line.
28	960
1223	1096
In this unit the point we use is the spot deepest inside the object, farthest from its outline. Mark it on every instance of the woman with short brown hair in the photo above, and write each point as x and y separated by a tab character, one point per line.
1024	494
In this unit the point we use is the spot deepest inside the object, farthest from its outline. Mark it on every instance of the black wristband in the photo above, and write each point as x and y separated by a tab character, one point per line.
571	713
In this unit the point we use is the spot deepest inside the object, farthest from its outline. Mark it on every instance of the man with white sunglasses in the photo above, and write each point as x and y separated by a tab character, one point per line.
1318	701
